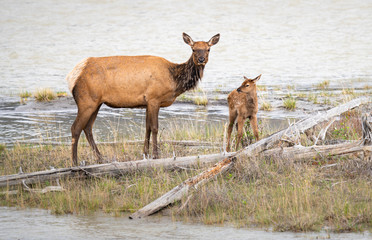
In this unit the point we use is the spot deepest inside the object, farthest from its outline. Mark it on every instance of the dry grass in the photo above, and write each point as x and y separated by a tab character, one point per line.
256	192
25	94
323	85
201	100
289	103
45	95
266	106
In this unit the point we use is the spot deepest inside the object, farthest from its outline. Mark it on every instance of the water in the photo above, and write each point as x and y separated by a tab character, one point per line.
289	42
39	224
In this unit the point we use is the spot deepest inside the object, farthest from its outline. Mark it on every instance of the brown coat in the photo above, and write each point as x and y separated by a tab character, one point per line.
243	104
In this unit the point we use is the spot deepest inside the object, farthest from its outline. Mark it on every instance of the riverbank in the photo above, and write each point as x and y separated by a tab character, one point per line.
332	193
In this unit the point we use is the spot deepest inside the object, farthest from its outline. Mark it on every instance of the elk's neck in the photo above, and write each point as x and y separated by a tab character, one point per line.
186	75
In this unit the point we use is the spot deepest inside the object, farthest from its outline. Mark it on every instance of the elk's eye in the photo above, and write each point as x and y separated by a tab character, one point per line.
208	50
247	85
193	50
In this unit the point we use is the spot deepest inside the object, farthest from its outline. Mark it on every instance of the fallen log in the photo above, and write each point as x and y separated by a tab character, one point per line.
178	192
301	153
114	168
186	143
252	150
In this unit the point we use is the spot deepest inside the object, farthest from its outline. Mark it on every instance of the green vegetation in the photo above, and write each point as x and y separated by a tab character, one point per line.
323	85
25	94
61	94
266	106
348	91
313	98
201	100
45	94
2	148
289	103
261	87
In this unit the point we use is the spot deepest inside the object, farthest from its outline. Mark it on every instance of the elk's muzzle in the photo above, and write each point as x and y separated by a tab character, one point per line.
201	59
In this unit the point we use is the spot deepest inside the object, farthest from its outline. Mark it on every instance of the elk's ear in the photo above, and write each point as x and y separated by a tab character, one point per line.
214	40
245	78
188	40
257	78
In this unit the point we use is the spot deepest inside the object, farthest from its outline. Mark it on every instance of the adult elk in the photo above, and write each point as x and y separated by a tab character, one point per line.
132	82
243	104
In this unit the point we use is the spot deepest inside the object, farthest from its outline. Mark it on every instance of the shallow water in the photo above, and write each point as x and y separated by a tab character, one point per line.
39	224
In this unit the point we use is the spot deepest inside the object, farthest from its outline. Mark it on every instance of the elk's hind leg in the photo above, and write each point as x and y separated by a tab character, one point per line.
89	134
152	125
240	125
147	134
79	124
232	117
254	127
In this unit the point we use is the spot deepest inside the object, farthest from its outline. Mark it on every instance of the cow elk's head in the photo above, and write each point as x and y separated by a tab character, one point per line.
248	85
200	49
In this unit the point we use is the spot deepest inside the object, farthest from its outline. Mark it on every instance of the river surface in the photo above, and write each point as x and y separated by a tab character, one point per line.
291	43
39	224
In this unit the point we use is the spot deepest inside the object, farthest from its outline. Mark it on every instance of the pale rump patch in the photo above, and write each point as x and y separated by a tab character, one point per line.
75	73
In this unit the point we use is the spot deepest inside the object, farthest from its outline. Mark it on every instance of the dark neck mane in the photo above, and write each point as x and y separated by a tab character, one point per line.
186	75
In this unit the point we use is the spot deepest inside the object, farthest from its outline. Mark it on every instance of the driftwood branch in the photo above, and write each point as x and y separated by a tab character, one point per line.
300	153
186	143
178	192
114	168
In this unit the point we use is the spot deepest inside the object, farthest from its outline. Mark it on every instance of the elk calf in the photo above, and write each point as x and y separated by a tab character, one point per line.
243	104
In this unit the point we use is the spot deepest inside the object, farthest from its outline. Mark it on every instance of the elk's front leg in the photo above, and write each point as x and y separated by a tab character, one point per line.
152	114
148	134
240	125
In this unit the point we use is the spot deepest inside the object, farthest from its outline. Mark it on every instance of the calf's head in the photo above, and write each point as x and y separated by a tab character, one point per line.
248	85
200	49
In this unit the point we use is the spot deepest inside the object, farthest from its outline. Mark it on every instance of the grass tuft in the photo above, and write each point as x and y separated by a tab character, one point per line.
25	94
61	94
201	100
266	106
289	103
45	95
323	85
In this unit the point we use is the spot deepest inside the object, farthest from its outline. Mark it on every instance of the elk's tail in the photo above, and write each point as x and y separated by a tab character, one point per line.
75	73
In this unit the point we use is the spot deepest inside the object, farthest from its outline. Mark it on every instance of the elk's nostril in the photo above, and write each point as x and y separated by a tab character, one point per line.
201	59
238	90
